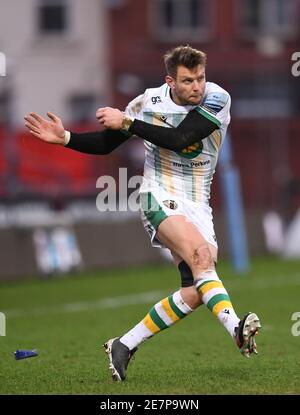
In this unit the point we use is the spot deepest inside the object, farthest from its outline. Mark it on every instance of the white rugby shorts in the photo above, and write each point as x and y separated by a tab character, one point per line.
156	204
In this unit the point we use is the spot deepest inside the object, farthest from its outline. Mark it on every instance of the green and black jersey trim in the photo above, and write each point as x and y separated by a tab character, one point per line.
208	116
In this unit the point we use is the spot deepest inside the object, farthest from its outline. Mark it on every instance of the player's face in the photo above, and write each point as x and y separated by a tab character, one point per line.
189	85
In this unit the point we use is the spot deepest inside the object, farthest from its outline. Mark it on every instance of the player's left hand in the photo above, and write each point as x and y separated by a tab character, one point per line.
110	117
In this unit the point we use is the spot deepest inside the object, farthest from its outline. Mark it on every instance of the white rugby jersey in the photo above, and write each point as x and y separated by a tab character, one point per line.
187	173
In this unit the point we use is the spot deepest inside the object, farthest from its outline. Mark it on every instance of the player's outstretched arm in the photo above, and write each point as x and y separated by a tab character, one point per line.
194	128
97	142
52	131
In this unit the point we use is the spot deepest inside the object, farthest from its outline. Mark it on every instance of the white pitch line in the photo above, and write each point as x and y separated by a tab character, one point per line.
104	303
263	282
149	297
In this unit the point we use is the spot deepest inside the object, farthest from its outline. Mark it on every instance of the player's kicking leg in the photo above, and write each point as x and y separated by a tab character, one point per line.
198	255
245	334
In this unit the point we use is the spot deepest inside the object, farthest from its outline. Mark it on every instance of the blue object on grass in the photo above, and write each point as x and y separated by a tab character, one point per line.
23	354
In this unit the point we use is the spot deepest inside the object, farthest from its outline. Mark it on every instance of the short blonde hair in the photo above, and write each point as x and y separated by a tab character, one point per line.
185	56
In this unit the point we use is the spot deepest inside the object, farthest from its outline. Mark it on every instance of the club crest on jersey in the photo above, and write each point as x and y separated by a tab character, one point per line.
191	151
171	204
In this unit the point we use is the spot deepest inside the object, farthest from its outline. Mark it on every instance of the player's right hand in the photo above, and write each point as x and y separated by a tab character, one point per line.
51	131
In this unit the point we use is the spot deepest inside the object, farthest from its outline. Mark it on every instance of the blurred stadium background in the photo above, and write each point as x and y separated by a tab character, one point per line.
72	57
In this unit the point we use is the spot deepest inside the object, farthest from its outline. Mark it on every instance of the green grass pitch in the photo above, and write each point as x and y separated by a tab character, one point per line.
68	319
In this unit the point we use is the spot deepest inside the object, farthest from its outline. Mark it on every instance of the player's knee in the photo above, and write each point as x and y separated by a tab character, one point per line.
201	259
